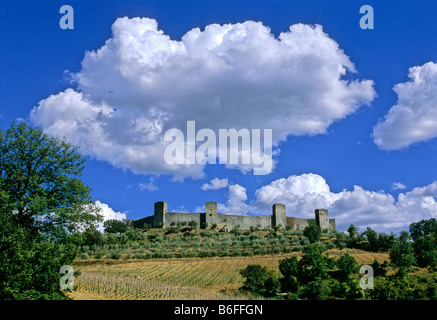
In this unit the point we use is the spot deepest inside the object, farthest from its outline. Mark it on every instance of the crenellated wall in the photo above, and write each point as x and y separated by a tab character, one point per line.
210	217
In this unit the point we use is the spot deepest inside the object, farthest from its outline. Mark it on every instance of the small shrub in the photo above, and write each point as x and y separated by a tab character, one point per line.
298	247
115	255
330	245
84	256
287	232
305	241
236	253
205	234
321	246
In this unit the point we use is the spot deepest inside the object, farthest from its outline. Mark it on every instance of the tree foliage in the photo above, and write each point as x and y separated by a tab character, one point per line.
114	226
313	233
290	270
423	228
314	265
42	206
424	234
316	276
92	236
40	174
260	280
425	251
353	231
401	255
347	266
29	265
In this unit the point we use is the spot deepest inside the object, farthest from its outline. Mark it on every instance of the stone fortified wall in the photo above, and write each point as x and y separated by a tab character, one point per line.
164	219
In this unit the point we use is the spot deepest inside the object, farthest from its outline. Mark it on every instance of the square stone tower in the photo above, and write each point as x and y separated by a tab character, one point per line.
322	219
211	213
278	218
159	215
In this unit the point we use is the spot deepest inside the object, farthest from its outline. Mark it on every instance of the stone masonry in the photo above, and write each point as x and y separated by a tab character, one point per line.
209	218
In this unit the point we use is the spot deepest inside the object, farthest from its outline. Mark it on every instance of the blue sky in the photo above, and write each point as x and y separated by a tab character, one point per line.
369	159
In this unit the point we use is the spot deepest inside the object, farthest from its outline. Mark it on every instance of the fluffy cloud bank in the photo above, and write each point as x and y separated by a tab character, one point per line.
304	193
414	117
141	83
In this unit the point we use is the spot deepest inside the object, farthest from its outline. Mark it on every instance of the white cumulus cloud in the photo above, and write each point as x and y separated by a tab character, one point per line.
108	214
215	184
302	194
398	186
141	83
414	117
236	203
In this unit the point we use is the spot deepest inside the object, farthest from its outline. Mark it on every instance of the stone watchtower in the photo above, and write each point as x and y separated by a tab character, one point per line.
211	213
322	219
278	218
159	215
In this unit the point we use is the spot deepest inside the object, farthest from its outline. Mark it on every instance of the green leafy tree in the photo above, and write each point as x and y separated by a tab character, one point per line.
378	268
425	251
42	205
92	236
313	265
353	231
424	235
40	176
402	257
29	267
255	276
404	236
385	241
372	238
423	228
347	266
260	280
313	233
318	289
114	226
271	285
290	270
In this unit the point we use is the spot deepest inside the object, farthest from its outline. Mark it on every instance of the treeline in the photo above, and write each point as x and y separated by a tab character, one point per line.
317	276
